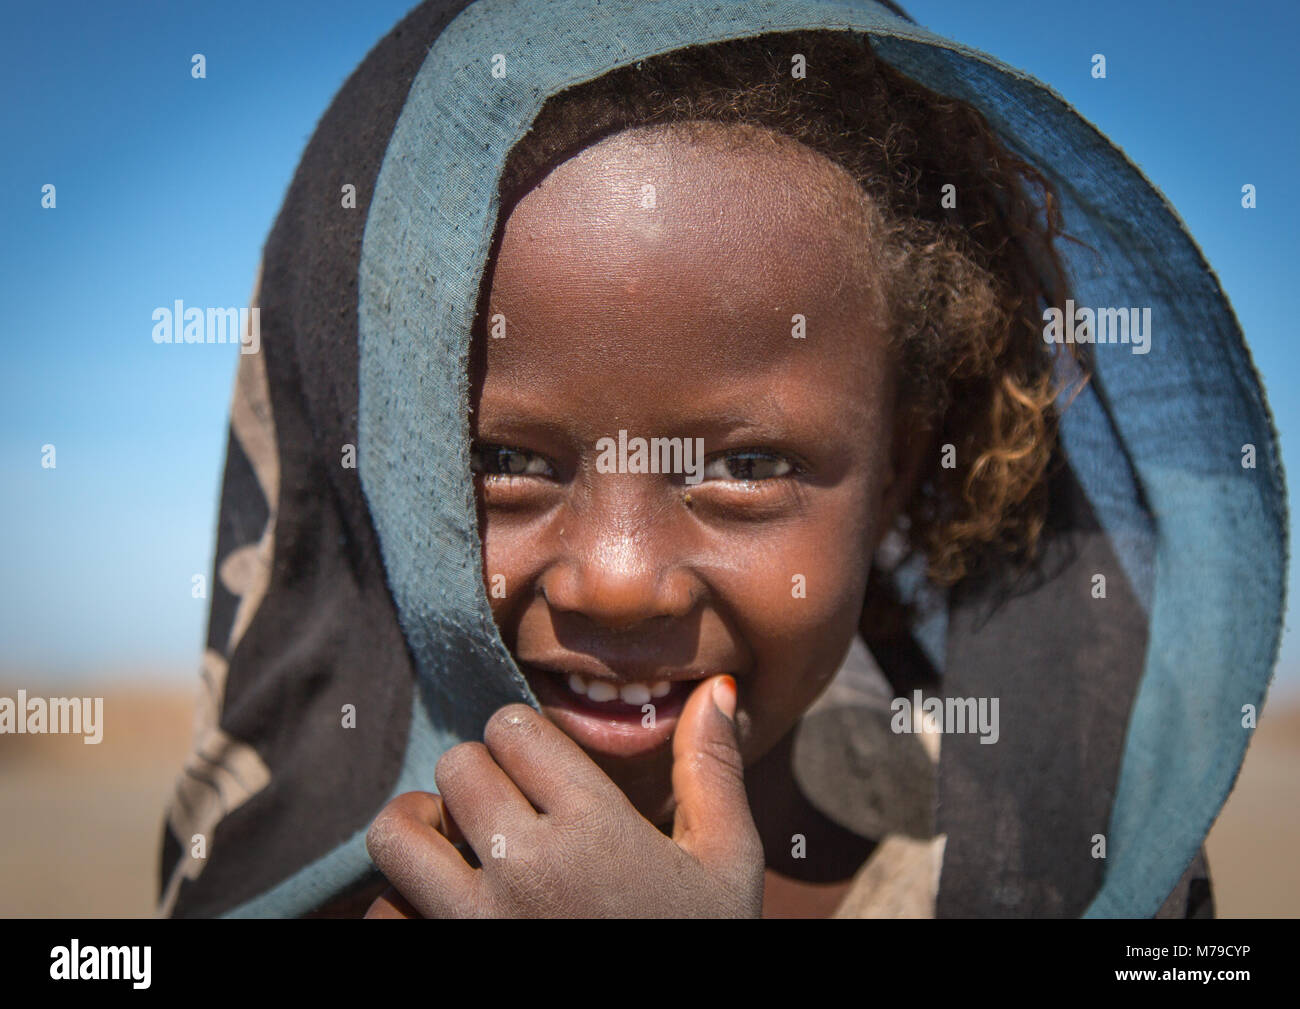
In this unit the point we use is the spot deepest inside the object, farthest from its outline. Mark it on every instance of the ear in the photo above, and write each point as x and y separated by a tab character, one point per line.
912	453
884	623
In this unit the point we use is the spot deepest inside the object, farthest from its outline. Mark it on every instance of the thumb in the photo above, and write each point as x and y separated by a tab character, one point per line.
713	822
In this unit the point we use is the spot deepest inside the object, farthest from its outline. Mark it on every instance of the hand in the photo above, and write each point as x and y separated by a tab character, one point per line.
557	838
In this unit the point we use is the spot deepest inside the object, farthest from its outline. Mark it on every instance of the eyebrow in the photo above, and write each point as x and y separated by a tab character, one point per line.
763	418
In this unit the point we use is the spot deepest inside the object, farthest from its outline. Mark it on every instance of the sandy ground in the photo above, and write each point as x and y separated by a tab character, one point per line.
80	825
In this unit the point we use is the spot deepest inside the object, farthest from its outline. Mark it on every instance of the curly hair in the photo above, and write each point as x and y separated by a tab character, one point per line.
965	278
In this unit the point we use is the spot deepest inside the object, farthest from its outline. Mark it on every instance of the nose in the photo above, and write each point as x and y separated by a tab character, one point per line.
622	562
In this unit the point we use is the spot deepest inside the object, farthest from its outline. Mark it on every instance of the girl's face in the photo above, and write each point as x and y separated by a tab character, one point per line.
677	289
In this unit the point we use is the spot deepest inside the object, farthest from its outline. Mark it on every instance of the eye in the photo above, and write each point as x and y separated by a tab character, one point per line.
749	464
502	460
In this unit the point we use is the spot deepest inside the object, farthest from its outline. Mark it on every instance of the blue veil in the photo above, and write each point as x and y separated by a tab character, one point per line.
1175	471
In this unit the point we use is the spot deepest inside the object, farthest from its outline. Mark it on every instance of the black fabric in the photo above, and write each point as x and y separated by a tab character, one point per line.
1021	815
1193	897
238	526
326	633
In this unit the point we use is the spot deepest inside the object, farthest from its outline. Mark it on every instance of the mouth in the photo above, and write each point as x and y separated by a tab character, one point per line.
617	718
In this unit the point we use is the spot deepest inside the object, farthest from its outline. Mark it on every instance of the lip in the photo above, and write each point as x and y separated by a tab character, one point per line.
621	672
612	728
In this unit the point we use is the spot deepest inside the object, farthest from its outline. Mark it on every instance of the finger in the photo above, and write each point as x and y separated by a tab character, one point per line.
487	806
713	820
550	769
391	904
407	846
430	808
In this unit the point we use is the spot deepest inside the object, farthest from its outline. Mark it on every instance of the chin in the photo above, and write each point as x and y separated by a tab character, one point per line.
646	781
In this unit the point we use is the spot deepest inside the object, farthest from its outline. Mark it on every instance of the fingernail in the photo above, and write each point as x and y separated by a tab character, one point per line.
724	696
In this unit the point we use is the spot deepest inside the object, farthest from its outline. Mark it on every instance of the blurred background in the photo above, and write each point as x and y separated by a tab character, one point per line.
167	187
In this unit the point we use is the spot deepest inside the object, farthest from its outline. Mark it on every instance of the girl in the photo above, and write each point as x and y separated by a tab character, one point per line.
958	479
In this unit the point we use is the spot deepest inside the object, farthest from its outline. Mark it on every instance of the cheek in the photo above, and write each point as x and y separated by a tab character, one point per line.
800	605
808	583
510	566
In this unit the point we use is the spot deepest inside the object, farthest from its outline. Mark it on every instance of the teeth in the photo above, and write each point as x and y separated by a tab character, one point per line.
629	693
634	693
599	690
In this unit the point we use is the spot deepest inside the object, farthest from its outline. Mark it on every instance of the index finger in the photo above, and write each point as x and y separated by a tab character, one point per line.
550	769
410	843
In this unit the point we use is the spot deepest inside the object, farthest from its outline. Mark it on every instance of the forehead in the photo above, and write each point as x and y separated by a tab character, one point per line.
700	233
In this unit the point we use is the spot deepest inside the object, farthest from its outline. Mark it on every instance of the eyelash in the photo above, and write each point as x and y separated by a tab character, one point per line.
481	454
478	454
752	454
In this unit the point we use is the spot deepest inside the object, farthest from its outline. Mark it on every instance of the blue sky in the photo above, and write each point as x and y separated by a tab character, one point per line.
167	187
